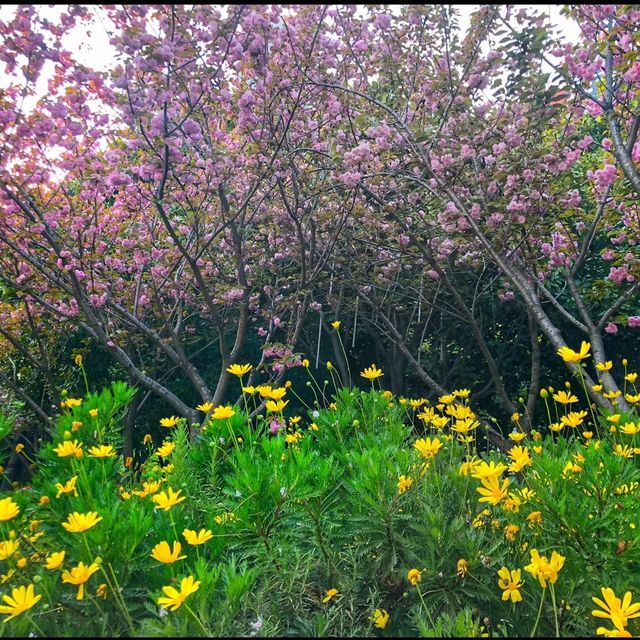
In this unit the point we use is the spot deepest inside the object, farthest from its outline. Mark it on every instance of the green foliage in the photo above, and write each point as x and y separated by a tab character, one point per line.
341	499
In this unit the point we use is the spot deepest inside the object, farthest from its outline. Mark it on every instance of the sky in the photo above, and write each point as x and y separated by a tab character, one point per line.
97	50
97	53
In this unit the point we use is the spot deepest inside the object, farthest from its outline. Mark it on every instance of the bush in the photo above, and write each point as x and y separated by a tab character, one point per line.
374	515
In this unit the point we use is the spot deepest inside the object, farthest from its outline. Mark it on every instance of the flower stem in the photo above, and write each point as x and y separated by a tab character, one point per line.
535	626
424	604
195	617
555	610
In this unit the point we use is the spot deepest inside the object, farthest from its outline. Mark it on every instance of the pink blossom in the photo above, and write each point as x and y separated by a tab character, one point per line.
611	328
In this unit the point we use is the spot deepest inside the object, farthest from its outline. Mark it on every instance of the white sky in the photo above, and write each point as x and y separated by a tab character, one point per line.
98	54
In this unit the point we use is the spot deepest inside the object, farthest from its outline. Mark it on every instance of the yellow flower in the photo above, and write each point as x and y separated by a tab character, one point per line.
163	553
278	393
403	484
623	452
276	407
71	402
467	467
515	417
574	418
490	470
148	488
79	522
75	425
511	503
173	598
93	413
510	532
223	413
8	548
169	422
20	600
570	467
102	451
336	324
466	425
205	407
571	356
239	369
79	576
264	390
520	457
329	365
510	583
462	568
631	377
69	448
461	393
128	462
416	404
330	593
147	439
630	428
604	366
5	577
427	447
380	618
439	422
492	491
446	399
427	415
614	418
43	500
613	633
166	500
612	395
19	448
545	569
55	560
249	390
306	363
534	519
8	509
597	387
618	611
194	539
101	591
564	397
414	576
166	449
78	360
22	563
293	438
372	373
517	436
633	399
68	487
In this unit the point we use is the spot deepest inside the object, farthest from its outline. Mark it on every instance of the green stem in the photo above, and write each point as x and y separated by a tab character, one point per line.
426	609
118	597
535	626
555	610
195	617
84	375
584	386
41	633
